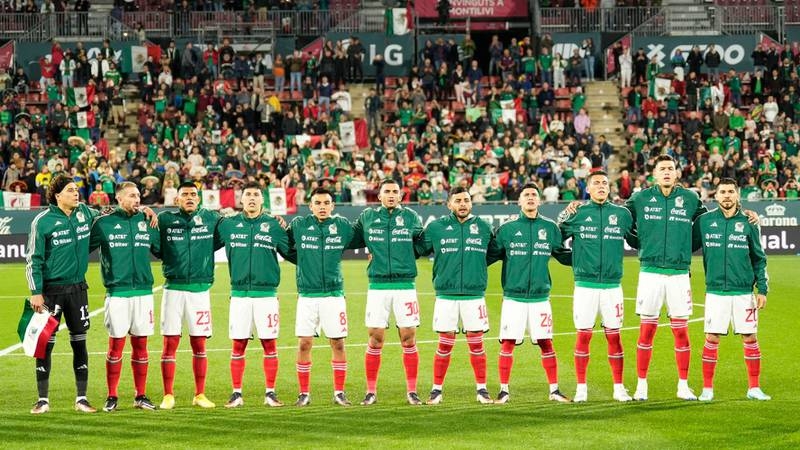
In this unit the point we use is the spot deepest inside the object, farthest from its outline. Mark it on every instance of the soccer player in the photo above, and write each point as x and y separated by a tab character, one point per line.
525	245
598	230
663	217
58	256
126	242
389	232
316	244
252	239
187	253
734	261
460	243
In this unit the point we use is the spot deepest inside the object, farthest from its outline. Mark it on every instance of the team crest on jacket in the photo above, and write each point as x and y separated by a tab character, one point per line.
264	227
198	220
142	226
332	228
679	202
473	229
80	216
542	235
739	227
398	221
612	219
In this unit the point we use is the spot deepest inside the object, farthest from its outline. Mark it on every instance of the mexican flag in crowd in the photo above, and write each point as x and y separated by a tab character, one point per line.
81	97
19	200
134	57
399	21
34	330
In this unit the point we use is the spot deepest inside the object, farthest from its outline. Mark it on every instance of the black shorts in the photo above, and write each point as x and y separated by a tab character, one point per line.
72	301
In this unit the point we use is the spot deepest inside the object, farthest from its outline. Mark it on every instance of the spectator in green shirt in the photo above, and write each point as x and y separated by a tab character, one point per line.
673	101
735	86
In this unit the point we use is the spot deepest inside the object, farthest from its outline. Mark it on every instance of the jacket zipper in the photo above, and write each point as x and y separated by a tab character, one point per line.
530	256
666	227
462	258
322	251
187	232
132	240
600	235
725	255
388	243
250	247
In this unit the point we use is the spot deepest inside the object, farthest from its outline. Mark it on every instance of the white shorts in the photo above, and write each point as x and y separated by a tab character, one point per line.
129	315
587	302
654	288
193	307
382	302
721	310
473	315
328	314
518	317
247	313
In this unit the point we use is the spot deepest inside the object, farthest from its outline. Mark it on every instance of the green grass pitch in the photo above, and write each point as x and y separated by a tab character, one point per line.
529	421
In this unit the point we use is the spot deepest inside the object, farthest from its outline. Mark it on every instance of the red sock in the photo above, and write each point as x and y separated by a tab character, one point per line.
752	359
372	364
709	363
411	365
139	363
477	356
114	364
238	362
199	363
441	361
616	357
168	362
304	376
680	329
339	374
582	354
549	362
506	360
644	348
270	362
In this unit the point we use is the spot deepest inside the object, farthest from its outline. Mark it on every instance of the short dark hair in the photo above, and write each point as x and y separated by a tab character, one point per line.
321	191
531	186
662	158
596	173
386	181
124	185
251	185
56	186
728	181
458	190
187	184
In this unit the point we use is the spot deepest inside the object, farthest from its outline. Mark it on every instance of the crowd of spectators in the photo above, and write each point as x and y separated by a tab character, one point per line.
223	118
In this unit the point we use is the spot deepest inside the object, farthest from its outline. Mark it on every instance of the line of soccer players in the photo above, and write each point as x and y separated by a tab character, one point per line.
666	222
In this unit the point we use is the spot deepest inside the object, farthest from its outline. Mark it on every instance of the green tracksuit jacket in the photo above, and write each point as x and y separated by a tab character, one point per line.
251	246
316	247
663	228
461	252
733	258
390	239
125	243
58	247
598	231
525	246
187	249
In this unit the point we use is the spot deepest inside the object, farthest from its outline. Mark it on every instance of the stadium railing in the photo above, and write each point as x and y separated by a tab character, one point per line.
42	27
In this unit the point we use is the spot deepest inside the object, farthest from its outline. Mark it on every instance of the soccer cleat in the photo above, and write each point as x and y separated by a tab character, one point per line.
581	394
303	400
757	394
413	398
271	399
503	397
483	397
202	401
557	396
707	395
641	391
83	405
168	402
142	402
369	399
110	405
341	399
435	397
40	407
621	395
235	401
684	393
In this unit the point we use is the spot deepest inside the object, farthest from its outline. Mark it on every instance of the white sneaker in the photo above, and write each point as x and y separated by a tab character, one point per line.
757	394
641	391
685	393
621	394
581	394
707	395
